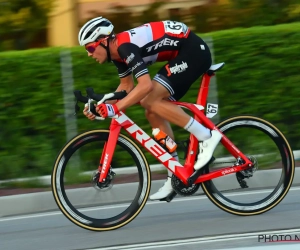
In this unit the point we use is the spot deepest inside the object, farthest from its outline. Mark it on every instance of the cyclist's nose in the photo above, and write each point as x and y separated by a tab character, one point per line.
89	54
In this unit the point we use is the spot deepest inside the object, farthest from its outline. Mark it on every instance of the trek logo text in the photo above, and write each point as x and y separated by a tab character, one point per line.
164	42
152	146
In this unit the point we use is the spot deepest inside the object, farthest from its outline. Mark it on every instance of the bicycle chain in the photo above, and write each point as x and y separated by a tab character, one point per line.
222	163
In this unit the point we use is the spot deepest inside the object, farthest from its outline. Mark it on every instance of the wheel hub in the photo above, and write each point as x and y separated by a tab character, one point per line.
106	184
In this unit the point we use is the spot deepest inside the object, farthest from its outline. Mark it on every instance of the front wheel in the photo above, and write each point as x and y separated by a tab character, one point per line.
262	187
82	200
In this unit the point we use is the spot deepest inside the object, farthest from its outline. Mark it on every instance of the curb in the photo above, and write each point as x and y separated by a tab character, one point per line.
44	201
46	180
127	170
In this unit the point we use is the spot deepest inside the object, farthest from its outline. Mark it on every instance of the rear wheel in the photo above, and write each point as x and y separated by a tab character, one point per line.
82	200
262	187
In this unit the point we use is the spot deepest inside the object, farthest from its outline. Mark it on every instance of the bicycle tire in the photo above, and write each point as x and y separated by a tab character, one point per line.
70	211
288	164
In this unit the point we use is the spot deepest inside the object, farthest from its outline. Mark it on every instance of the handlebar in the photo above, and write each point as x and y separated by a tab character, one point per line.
98	97
79	97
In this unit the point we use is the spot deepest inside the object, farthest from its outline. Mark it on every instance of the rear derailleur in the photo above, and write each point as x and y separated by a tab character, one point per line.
246	174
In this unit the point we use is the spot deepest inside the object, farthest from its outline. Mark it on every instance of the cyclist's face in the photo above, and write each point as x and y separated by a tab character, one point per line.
99	54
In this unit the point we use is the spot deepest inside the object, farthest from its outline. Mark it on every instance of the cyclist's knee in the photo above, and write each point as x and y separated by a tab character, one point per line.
146	104
149	101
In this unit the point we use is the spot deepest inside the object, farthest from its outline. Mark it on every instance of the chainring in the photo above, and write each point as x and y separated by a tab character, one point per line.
181	189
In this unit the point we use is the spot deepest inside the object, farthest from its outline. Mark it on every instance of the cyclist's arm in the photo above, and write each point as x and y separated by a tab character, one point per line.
143	87
130	54
126	83
126	79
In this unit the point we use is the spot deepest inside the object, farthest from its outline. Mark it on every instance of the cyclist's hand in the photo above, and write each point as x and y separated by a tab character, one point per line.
107	110
88	114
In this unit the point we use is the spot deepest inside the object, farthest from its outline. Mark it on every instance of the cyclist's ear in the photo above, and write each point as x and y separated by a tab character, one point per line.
104	42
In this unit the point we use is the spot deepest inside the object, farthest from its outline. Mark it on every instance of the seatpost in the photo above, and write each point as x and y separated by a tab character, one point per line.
203	92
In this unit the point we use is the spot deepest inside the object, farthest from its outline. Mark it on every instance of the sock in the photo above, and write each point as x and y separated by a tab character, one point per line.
175	155
198	130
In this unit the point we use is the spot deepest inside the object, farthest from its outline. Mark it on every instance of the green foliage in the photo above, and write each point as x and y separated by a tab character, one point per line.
261	77
21	21
31	105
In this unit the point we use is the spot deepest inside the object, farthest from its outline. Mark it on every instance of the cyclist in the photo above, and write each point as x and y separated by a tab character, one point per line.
187	57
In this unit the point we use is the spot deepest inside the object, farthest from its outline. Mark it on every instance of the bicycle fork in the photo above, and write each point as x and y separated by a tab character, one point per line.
108	151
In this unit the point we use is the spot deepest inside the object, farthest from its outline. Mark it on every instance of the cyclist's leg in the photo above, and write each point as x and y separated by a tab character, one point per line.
158	122
156	103
158	107
173	81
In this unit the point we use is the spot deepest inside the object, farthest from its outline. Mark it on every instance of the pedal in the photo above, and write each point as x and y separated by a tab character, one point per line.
199	172
169	197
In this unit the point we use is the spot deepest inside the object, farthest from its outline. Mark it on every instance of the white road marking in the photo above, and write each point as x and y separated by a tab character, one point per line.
183	199
202	240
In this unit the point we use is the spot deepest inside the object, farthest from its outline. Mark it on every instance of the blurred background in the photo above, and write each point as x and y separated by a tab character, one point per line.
41	64
41	23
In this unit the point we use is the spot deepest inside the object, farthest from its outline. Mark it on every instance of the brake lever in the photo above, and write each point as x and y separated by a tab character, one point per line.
92	109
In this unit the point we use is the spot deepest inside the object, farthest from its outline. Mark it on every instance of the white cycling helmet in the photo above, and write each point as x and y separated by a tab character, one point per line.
94	29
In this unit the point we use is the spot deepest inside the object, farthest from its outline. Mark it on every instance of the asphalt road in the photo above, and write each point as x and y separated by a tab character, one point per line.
189	223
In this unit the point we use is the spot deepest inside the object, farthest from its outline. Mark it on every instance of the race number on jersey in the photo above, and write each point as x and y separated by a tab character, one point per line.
175	28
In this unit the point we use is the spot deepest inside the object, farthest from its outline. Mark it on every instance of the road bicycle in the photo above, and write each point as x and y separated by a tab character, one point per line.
251	171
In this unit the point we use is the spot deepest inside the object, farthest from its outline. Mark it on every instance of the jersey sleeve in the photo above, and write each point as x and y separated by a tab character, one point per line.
130	54
123	69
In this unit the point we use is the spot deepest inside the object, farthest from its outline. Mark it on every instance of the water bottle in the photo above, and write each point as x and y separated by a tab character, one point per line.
164	140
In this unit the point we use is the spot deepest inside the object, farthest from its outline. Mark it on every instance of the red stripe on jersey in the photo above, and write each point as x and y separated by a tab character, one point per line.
181	35
158	30
166	55
123	37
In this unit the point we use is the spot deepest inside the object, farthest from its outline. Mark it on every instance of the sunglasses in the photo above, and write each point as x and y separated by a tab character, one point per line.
92	47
